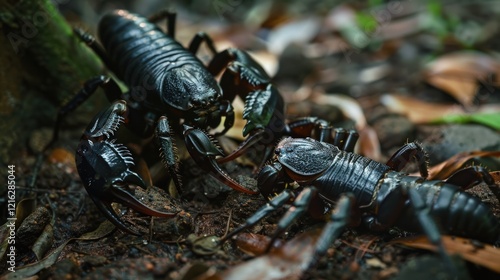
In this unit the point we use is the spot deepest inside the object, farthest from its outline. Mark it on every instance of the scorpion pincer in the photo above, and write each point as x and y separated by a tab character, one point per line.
170	91
104	167
370	193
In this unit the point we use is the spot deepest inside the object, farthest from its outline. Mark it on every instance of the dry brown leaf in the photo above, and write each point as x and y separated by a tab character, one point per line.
64	158
424	112
369	144
299	31
478	253
496	176
451	165
286	262
459	74
255	244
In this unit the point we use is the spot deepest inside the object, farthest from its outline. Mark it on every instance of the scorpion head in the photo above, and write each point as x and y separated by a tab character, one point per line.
188	88
304	159
296	159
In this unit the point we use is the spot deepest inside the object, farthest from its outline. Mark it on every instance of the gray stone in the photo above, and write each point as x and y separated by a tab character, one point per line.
394	130
443	142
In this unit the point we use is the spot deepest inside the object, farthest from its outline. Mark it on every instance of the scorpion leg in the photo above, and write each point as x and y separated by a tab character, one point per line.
274	204
319	129
390	199
170	16
340	218
271	180
168	151
408	151
470	176
111	89
203	150
198	39
345	140
90	41
299	207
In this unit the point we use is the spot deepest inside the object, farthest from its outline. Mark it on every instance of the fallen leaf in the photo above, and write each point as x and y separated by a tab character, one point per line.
24	208
369	144
44	242
445	169
23	272
143	171
478	253
255	244
299	31
62	156
496	176
460	73
288	261
422	112
375	263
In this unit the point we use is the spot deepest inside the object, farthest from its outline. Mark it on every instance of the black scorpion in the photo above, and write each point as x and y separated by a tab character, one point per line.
367	192
170	91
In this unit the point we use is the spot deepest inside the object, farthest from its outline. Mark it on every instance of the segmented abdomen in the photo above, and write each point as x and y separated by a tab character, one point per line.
139	52
351	173
458	213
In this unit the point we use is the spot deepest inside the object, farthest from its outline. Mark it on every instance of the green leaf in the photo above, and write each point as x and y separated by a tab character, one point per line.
491	120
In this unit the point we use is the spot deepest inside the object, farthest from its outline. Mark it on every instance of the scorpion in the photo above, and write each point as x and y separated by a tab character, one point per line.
375	195
171	92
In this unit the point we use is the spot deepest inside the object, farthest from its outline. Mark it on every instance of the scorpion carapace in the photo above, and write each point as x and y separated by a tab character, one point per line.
171	93
375	195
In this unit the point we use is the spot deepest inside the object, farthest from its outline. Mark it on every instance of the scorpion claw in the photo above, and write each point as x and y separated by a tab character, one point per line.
203	150
104	167
110	214
120	194
123	196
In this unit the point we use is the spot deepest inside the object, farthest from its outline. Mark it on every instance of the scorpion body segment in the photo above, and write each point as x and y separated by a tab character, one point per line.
332	171
458	212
